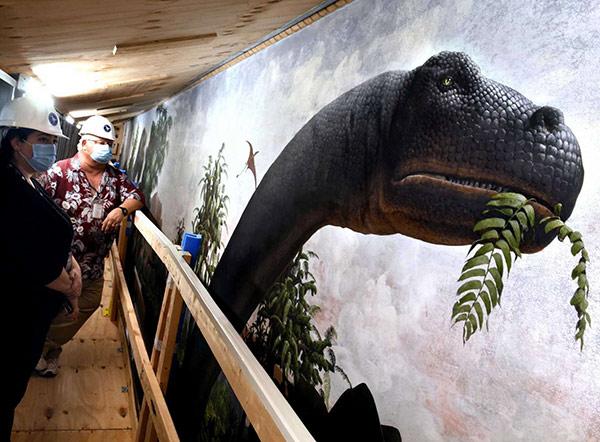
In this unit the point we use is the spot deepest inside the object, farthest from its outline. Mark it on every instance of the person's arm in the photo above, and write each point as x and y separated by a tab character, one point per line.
69	283
75	275
63	283
133	199
132	205
115	216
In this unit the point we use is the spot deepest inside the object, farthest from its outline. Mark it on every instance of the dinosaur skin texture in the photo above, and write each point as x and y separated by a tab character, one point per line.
417	153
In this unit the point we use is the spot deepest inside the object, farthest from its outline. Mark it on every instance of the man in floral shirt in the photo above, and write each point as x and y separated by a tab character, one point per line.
96	196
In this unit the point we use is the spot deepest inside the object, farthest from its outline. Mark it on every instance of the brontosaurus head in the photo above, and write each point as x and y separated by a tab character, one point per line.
458	138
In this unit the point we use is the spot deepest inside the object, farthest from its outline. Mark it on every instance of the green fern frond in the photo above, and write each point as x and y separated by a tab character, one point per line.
501	232
508	219
579	300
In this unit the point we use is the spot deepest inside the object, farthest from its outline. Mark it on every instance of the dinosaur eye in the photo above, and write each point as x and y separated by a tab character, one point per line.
447	81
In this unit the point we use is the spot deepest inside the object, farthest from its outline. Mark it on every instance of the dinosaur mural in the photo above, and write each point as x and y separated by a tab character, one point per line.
417	153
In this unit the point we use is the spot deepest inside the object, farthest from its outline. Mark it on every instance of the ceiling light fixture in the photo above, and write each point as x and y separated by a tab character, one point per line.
33	88
65	79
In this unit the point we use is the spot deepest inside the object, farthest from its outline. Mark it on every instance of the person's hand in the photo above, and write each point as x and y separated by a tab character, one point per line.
73	293
112	220
75	275
74	301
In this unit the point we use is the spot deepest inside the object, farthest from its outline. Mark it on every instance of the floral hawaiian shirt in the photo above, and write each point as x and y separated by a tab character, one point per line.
87	207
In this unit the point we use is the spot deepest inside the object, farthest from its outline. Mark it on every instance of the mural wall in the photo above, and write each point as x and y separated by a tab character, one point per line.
390	297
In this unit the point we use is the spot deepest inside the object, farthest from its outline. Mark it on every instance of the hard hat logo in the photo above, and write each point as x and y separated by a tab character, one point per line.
52	118
106	128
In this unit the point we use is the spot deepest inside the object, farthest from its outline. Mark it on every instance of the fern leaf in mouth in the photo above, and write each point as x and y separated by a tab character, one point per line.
508	219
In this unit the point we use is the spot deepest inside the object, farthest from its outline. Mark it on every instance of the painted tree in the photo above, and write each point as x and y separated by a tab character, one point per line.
210	217
284	338
156	151
209	220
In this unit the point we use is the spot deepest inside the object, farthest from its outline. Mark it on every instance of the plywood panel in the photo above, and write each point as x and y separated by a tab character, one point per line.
73	436
93	353
78	398
167	44
99	325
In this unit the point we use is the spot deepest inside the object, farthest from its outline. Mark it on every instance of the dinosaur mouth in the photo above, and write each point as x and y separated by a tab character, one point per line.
469	182
442	209
473	186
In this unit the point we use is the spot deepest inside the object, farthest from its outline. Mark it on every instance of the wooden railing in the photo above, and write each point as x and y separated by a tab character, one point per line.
270	414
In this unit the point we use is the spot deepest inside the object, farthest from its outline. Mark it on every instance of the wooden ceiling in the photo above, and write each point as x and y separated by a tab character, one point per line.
162	46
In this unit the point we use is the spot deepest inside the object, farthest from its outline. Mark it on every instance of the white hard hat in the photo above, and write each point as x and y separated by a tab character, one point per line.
98	126
26	113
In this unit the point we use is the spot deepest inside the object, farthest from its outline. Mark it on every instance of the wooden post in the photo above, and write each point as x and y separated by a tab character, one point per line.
162	351
122	241
169	339
144	423
113	306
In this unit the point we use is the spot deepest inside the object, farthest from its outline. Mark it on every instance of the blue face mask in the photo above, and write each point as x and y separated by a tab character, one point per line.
44	156
102	153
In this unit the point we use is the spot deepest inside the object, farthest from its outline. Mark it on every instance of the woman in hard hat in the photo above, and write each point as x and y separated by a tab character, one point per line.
36	269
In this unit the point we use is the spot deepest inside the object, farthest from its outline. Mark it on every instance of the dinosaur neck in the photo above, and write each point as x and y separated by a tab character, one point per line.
273	227
322	177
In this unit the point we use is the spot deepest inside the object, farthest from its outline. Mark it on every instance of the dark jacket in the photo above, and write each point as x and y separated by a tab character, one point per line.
35	243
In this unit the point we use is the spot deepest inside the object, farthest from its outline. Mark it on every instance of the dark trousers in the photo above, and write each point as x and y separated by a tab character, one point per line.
23	328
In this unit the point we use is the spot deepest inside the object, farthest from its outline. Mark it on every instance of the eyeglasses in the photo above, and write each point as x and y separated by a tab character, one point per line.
101	143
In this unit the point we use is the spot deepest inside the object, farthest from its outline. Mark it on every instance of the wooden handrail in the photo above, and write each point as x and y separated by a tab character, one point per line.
270	414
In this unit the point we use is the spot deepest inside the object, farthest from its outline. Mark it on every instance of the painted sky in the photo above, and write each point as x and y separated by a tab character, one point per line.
390	297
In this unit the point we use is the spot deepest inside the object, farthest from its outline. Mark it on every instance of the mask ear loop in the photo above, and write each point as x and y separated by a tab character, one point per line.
21	153
27	160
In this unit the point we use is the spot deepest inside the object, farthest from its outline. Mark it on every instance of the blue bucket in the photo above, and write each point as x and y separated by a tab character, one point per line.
192	242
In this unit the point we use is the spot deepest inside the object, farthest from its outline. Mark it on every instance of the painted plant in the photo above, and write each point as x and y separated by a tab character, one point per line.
209	217
156	150
284	338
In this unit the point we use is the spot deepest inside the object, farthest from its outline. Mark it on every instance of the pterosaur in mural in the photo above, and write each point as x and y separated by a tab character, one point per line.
417	153
250	165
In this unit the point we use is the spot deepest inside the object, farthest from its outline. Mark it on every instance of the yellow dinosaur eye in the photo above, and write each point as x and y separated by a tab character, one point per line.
447	81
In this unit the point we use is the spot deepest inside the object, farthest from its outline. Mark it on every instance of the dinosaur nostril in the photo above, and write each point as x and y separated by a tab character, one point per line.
548	117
